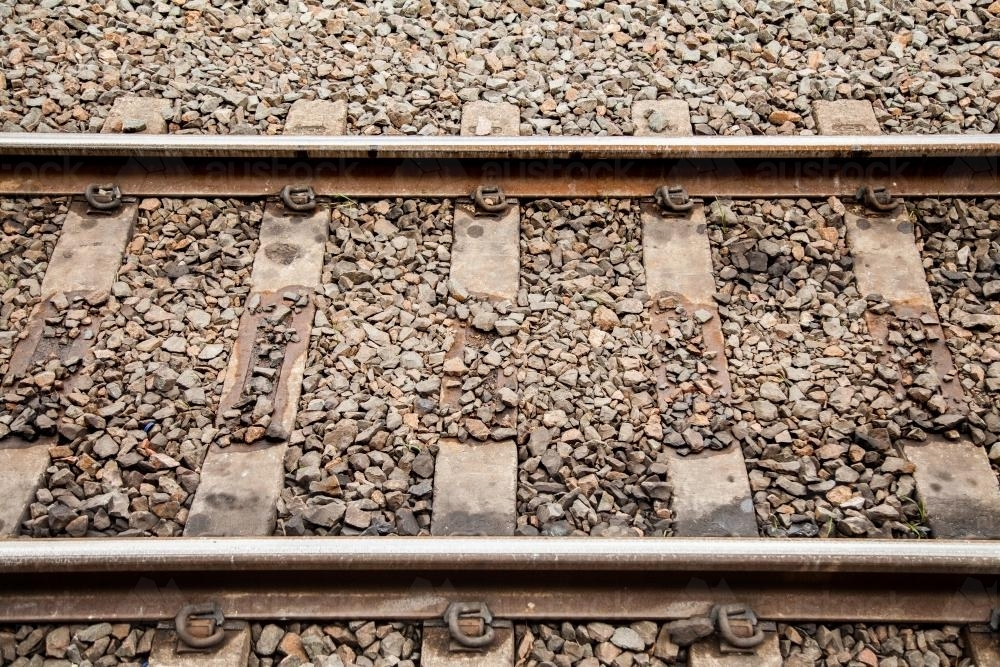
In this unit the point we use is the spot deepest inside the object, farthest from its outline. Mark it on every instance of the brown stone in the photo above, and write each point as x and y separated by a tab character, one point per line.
687	631
670	118
605	318
291	644
839	494
57	641
829	233
665	648
606	652
254	433
780	116
868	657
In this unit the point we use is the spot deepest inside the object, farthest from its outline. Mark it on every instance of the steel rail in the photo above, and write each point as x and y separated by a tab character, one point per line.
523	579
501	553
526	167
507	148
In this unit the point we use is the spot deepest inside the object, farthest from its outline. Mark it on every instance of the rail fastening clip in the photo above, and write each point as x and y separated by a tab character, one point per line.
103	197
673	199
299	198
877	198
208	617
724	614
490	199
465	618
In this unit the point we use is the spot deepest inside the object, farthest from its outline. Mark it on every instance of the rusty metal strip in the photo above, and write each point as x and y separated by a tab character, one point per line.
704	173
35	347
532	593
242	363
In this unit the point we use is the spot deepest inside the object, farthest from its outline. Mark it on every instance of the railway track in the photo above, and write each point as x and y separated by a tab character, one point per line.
320	380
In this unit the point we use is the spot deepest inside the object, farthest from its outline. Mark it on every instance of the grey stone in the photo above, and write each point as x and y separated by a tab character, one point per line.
628	639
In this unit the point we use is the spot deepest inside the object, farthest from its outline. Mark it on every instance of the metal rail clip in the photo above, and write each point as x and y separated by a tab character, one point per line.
470	624
103	197
200	626
299	198
490	199
723	616
673	199
877	199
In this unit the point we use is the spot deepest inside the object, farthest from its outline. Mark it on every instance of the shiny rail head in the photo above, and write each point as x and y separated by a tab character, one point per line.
505	148
497	553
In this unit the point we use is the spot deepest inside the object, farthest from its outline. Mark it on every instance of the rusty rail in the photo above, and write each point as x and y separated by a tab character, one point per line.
355	166
519	578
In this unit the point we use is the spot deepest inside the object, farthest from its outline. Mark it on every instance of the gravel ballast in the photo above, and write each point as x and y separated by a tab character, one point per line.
589	424
29	229
960	240
136	428
96	645
573	68
807	645
872	646
814	406
818	414
587	415
360	643
361	460
594	644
